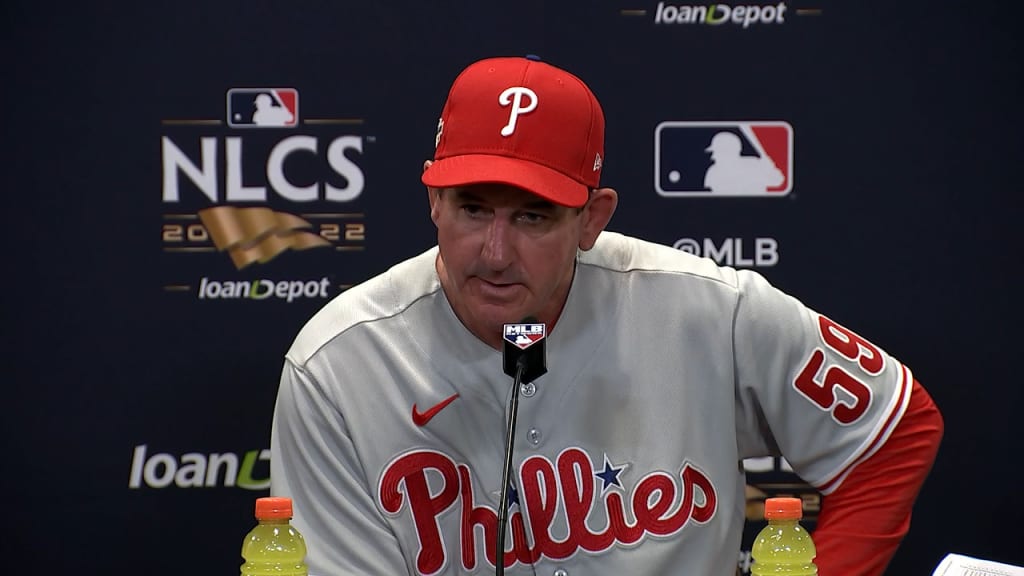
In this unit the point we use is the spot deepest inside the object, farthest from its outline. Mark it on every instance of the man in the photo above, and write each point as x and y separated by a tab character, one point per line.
664	372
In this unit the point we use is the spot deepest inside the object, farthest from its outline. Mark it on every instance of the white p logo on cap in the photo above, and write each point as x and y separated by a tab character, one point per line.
514	96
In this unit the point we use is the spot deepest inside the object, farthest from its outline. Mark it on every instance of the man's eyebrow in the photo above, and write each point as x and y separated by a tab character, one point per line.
463	195
540	205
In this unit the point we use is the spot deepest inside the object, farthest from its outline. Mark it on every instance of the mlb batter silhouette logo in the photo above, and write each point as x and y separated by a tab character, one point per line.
263	107
723	159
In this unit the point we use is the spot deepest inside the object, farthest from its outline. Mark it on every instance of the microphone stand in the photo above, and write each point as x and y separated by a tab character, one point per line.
513	408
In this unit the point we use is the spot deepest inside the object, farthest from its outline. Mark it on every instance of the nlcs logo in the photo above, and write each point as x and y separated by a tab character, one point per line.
723	158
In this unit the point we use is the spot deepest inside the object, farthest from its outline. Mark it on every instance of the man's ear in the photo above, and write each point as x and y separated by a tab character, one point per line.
433	196
596	214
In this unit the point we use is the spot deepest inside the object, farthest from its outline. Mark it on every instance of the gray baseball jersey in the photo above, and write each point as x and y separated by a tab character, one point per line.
664	372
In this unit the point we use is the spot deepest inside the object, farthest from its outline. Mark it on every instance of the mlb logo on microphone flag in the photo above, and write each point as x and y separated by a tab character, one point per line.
263	107
726	158
524	335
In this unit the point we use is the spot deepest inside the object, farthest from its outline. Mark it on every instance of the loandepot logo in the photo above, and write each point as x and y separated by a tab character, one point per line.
720	14
287	290
196	470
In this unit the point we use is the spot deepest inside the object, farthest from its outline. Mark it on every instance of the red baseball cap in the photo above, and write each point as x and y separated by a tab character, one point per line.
521	122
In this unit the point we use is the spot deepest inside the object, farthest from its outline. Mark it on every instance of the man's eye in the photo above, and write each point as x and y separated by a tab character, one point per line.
532	217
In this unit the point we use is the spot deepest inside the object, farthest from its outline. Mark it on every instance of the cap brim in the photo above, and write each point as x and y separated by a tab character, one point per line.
469	169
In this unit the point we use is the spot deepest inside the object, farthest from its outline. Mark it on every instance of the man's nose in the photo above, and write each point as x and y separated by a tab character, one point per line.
497	248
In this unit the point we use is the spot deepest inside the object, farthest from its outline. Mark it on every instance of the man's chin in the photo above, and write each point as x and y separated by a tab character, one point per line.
501	315
496	316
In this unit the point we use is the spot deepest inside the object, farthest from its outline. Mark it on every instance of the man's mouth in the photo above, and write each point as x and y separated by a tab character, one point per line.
497	289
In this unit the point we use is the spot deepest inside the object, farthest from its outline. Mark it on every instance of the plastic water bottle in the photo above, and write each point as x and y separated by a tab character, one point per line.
783	546
274	546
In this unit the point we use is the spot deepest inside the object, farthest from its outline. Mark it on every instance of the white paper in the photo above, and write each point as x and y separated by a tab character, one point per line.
960	565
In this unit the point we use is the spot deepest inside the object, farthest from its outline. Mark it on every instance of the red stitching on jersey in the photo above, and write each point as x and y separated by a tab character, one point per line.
421	418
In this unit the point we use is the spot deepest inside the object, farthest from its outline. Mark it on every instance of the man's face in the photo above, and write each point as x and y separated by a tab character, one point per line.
504	254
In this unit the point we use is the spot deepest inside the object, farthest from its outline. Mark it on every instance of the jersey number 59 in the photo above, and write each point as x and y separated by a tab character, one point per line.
822	392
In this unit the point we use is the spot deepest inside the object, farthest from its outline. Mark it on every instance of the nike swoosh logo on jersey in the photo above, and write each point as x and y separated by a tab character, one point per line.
421	418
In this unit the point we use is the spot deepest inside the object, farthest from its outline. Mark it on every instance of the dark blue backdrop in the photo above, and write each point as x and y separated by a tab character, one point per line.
132	392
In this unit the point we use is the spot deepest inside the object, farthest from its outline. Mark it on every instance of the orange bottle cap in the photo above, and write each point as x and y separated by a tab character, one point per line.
783	509
273	507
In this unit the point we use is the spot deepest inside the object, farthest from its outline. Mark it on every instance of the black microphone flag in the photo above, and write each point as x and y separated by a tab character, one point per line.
524	344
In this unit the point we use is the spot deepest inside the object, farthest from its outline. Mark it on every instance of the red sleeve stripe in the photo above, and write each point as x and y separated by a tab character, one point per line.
900	406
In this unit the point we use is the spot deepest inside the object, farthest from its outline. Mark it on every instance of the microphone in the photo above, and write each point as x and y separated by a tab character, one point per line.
524	359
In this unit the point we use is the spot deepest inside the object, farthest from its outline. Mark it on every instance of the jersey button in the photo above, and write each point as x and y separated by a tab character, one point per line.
528	389
534	437
560	572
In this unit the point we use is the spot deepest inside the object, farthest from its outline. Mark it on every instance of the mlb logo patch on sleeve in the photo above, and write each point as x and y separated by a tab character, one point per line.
263	107
729	158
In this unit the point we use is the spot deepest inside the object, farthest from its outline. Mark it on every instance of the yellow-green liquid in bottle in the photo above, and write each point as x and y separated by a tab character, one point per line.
783	547
274	547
